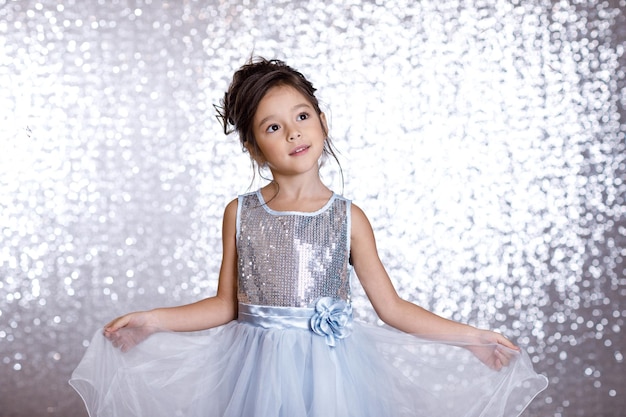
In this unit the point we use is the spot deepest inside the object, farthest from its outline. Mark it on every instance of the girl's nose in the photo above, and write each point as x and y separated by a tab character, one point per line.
293	135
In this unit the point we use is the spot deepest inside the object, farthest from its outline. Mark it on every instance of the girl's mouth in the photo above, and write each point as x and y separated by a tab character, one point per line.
299	150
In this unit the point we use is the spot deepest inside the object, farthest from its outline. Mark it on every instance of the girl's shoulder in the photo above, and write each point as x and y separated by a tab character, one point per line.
230	211
360	221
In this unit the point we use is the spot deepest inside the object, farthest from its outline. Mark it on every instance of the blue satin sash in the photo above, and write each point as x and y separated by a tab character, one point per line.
270	317
331	318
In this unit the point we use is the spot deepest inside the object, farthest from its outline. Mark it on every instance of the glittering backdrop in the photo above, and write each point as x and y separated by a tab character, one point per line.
485	139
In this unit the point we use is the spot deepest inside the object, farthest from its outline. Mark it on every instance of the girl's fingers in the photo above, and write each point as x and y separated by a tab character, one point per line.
506	342
128	331
501	358
505	356
116	324
109	327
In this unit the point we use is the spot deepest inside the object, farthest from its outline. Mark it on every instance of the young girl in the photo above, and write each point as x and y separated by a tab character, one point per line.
282	339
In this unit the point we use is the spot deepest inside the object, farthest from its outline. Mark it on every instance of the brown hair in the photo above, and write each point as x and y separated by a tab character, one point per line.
249	85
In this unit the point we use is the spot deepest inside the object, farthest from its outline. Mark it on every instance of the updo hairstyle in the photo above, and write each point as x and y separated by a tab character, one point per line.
249	85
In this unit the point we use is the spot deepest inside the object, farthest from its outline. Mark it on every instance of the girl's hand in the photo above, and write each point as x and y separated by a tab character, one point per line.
131	329
493	349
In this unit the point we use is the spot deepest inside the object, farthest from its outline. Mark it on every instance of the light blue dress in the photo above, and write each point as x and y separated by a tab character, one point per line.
294	350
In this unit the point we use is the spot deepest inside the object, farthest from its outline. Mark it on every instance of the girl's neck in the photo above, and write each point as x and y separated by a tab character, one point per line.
291	196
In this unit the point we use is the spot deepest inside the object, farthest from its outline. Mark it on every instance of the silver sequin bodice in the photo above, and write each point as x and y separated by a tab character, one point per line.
291	259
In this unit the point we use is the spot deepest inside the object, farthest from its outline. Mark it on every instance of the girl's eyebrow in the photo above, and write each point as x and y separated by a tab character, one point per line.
296	107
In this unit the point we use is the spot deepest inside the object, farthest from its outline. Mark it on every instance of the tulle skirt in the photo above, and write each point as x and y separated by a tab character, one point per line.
241	370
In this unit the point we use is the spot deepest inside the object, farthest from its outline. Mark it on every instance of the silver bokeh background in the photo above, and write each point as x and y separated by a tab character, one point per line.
485	140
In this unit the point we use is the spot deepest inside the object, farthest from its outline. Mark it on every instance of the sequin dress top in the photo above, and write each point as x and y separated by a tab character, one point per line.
294	349
292	259
294	267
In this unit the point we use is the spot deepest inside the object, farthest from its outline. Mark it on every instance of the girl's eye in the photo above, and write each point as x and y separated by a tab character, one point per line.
272	128
303	116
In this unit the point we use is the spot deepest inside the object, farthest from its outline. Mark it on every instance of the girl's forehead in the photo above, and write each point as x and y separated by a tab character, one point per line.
280	98
283	93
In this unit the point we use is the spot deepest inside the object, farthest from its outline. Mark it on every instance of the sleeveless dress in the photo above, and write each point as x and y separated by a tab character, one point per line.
294	350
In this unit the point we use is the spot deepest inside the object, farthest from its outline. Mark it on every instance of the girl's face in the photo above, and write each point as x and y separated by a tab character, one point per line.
288	131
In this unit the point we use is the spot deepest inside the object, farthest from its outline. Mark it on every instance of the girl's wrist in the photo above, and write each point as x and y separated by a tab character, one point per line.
153	319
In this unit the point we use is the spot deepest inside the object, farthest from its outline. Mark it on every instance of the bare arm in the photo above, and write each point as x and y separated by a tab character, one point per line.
204	314
399	313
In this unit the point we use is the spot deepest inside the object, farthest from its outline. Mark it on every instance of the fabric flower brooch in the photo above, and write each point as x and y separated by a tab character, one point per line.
332	319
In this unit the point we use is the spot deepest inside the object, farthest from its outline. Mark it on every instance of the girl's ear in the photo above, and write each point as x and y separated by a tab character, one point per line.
324	123
255	153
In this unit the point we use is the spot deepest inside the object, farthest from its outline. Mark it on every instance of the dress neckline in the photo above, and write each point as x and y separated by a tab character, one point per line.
300	213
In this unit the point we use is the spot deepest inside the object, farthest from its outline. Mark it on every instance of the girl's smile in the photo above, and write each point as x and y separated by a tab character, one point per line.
299	150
